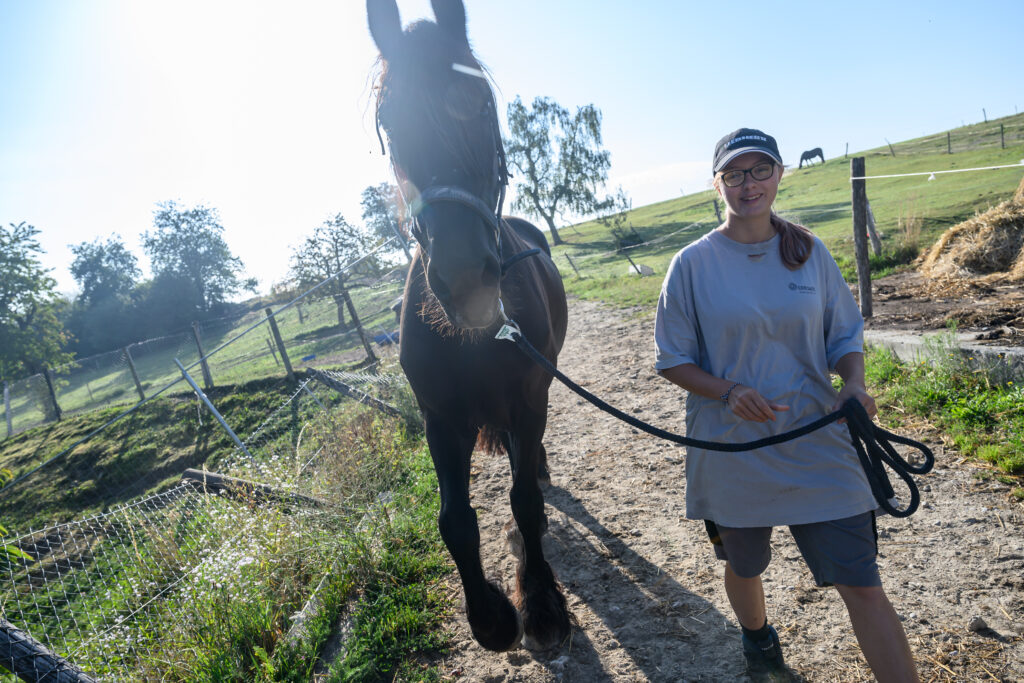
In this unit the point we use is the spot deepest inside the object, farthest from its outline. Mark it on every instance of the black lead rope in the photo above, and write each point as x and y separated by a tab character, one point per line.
872	443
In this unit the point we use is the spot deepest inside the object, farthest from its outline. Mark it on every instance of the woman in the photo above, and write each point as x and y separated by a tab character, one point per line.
751	320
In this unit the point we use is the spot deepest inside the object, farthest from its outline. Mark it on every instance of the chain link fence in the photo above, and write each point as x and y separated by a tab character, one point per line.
118	593
316	330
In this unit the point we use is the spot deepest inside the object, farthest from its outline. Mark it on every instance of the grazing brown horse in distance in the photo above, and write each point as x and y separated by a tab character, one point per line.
810	155
438	111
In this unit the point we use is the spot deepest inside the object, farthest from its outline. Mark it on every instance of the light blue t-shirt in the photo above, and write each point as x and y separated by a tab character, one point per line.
738	313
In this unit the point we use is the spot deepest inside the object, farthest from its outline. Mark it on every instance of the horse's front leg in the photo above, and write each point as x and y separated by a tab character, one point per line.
538	597
495	623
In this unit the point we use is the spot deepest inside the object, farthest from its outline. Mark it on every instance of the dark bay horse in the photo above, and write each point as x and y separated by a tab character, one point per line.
438	111
810	155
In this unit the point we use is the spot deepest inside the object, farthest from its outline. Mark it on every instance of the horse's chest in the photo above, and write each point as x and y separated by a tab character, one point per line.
469	383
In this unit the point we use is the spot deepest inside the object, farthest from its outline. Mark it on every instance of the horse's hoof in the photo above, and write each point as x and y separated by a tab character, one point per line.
551	639
504	625
501	645
546	617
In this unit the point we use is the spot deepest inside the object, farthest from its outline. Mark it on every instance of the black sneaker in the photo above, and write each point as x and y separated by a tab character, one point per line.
765	655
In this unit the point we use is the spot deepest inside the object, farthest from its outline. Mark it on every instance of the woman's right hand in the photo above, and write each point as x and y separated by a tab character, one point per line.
745	402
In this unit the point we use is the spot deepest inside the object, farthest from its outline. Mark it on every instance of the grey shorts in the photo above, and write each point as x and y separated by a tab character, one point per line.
842	551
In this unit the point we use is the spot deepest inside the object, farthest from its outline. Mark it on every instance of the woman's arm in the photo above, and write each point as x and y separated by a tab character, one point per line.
744	401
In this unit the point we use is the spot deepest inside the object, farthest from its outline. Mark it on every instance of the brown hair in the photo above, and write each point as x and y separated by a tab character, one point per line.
795	242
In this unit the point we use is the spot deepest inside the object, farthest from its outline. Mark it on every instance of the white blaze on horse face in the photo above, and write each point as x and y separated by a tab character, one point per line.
469	70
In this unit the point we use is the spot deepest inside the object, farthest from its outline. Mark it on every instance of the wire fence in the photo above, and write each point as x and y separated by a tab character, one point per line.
111	591
317	330
144	541
272	346
120	593
1001	133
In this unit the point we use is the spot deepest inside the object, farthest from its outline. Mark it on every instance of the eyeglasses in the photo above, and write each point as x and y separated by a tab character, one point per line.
736	177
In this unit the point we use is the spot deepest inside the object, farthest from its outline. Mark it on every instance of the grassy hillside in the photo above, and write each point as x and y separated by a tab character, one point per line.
309	331
910	211
144	452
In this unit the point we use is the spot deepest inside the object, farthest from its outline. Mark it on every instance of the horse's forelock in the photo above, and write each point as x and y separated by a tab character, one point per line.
421	74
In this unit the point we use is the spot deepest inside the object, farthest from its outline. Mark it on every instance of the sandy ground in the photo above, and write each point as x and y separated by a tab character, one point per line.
643	585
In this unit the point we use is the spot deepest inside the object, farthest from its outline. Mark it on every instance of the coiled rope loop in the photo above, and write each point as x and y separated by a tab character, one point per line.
872	443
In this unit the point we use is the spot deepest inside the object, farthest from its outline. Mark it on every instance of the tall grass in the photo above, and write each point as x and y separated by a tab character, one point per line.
378	559
977	404
202	588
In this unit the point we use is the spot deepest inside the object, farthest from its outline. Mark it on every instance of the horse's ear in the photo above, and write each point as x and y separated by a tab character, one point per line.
385	26
451	17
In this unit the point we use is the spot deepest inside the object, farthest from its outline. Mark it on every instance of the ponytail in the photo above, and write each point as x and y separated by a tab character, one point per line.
795	242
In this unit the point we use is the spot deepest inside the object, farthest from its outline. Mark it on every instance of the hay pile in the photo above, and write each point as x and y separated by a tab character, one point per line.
986	249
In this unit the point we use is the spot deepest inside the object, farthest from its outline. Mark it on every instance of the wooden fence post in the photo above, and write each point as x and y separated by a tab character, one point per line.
891	150
7	408
280	345
847	152
207	377
949	143
1002	137
135	372
718	214
567	258
298	307
632	265
860	233
370	355
53	394
29	659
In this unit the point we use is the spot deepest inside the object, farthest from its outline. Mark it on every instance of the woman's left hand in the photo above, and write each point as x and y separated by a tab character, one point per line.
855	391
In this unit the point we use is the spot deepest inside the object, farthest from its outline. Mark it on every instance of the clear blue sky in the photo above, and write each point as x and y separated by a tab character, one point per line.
262	110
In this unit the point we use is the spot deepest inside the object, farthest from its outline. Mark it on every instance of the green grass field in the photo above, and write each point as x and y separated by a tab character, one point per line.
818	197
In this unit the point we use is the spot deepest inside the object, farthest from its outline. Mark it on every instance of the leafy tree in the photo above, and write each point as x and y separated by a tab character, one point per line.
189	244
559	159
382	214
104	270
164	305
330	252
31	334
102	316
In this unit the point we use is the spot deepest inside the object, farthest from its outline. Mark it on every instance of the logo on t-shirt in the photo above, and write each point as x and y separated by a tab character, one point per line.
802	289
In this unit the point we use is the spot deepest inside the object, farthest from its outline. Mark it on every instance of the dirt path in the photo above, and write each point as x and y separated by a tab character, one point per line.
990	313
645	589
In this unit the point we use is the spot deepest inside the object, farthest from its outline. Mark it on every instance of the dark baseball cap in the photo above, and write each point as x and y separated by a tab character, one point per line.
742	141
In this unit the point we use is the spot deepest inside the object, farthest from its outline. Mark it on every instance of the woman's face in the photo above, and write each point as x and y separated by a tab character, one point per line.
752	197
